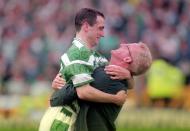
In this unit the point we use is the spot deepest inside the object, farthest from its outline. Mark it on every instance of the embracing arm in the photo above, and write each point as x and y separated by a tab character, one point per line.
117	72
89	93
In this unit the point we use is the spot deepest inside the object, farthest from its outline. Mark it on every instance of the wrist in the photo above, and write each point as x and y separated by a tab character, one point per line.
116	99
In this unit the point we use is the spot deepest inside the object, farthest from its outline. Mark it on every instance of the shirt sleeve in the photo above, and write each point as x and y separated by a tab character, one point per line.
77	67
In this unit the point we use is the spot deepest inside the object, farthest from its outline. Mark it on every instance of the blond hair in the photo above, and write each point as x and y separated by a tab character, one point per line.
142	60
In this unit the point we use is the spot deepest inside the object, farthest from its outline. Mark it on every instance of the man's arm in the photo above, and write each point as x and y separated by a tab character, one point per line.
89	93
117	72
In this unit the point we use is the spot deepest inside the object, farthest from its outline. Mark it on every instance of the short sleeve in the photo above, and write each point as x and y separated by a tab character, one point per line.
77	66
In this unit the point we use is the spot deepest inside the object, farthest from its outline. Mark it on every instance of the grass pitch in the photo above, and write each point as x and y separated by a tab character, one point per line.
143	119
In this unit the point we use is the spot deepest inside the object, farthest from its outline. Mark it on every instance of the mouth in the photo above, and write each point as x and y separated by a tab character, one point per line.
98	38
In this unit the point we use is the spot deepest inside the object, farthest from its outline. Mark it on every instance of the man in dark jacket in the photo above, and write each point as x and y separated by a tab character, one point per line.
95	116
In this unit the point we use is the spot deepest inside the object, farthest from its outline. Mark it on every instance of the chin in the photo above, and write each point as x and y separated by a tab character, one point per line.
95	43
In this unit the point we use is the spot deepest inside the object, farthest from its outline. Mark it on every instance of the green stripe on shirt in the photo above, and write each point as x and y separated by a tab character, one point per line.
78	63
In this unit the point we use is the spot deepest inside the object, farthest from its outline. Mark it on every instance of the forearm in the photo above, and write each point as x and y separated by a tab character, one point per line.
90	93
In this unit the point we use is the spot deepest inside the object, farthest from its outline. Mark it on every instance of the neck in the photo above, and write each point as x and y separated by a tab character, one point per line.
82	36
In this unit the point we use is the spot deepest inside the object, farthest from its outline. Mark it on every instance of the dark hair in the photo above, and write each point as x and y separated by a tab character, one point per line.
86	15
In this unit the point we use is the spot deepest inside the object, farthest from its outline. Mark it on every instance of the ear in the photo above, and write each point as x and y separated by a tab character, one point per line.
127	59
85	26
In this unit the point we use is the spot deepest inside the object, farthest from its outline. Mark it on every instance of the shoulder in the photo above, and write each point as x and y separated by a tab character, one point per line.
75	52
80	49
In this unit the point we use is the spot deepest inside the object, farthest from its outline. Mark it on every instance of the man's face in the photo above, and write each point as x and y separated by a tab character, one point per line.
96	31
121	56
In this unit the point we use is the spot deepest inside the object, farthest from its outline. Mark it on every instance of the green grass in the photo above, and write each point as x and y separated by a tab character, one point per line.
170	119
152	129
18	129
34	128
30	128
133	119
18	124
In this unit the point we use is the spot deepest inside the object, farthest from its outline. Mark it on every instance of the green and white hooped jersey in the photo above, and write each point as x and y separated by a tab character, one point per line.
79	62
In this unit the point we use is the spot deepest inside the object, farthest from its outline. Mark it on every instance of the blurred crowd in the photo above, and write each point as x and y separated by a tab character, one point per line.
35	33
